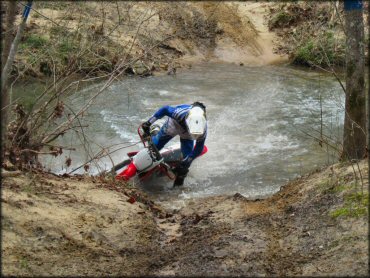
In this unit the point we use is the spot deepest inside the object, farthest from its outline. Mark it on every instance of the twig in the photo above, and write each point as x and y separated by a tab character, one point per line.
321	140
97	155
38	152
8	174
362	180
44	16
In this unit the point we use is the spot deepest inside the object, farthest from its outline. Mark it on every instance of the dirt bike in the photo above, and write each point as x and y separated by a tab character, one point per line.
149	161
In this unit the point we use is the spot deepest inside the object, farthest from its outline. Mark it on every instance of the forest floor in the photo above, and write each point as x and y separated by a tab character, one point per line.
73	226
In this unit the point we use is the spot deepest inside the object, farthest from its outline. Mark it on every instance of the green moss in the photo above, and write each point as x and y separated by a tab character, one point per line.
334	185
355	205
358	197
339	212
348	212
34	41
338	188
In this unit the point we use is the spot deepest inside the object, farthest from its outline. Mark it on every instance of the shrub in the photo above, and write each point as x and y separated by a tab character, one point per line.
324	50
304	54
280	19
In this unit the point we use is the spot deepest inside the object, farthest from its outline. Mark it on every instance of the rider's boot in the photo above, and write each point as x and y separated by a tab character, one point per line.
181	174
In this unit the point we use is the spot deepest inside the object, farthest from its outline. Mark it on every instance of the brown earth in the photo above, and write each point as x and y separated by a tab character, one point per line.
150	36
94	226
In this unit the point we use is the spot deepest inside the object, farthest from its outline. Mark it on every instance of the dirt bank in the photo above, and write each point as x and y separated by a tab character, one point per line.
295	232
316	225
93	38
72	226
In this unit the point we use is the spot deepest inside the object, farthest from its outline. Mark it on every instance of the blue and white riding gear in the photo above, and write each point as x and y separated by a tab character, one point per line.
187	121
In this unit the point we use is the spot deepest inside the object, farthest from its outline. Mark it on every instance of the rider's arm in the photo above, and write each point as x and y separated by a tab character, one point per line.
186	162
164	111
199	145
198	148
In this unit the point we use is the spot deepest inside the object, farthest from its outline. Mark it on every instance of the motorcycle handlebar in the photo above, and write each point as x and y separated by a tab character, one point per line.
151	145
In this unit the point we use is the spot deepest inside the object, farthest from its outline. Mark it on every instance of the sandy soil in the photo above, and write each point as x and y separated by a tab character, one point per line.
94	226
73	226
257	44
166	35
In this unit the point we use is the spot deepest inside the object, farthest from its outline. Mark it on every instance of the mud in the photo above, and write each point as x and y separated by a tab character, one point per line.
94	226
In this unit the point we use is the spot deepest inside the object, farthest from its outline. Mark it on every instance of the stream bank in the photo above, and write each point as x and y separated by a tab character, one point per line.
315	225
141	38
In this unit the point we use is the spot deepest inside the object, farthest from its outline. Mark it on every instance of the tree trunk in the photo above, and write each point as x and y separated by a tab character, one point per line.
354	137
6	44
334	8
5	96
8	30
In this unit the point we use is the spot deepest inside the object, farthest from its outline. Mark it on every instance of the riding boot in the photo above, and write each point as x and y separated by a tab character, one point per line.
181	174
179	181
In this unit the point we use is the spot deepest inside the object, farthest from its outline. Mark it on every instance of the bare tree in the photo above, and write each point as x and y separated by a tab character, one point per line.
35	130
6	44
11	8
354	136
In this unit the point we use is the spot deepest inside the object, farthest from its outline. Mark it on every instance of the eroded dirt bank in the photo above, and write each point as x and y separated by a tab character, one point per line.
316	225
150	37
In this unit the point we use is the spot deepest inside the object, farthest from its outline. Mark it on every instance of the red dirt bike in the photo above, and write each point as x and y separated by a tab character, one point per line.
149	160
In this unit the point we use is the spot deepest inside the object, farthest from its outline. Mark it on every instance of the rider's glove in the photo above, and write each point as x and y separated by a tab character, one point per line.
146	127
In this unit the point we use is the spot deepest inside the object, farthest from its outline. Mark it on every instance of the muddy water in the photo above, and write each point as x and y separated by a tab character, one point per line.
261	120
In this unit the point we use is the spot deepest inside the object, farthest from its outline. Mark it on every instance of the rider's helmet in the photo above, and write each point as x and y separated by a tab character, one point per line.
196	120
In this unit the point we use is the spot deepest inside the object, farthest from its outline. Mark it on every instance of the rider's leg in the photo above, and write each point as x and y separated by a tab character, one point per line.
182	171
162	137
186	147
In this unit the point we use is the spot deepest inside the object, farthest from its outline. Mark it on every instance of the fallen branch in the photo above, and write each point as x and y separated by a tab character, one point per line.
99	155
9	174
39	152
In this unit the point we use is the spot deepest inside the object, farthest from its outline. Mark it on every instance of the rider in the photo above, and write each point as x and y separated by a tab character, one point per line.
187	121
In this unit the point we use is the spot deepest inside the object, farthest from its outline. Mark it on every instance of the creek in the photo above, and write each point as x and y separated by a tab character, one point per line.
261	121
